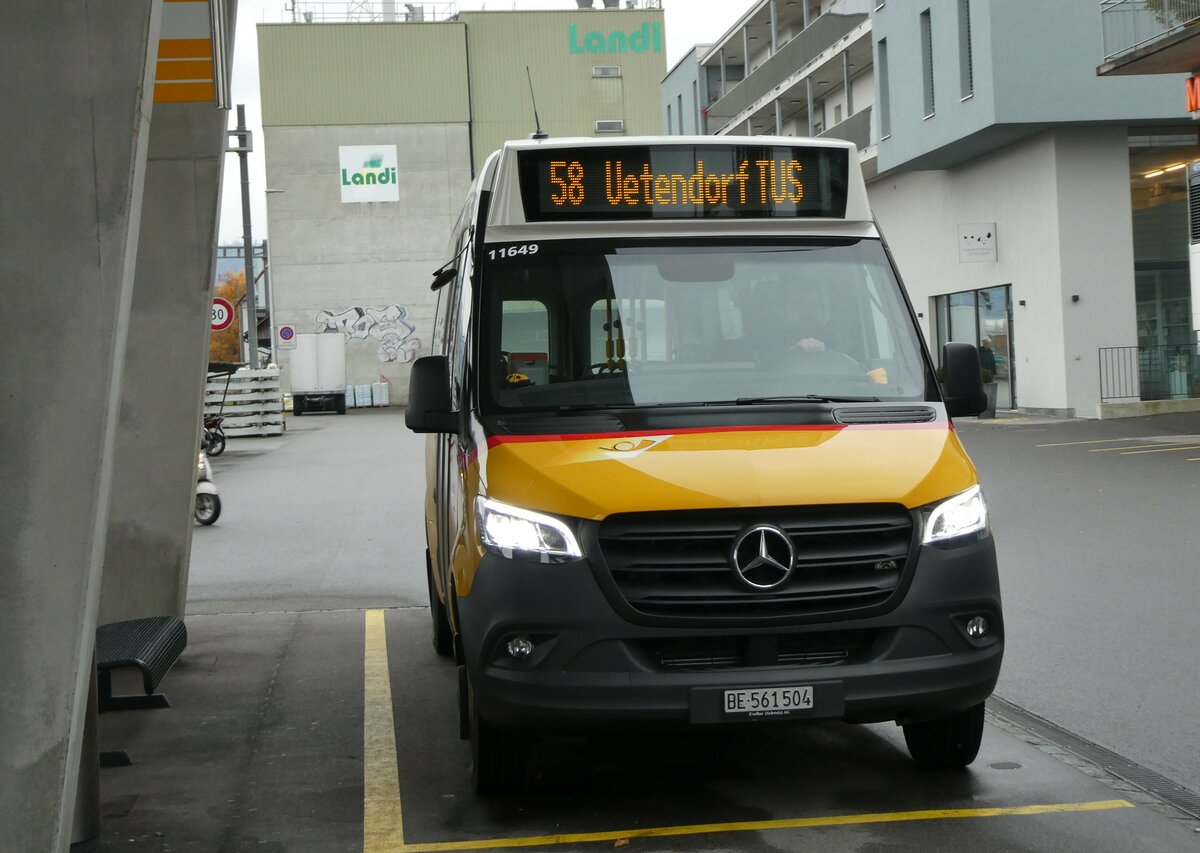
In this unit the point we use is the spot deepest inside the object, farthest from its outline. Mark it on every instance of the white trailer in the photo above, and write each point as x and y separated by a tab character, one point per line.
319	373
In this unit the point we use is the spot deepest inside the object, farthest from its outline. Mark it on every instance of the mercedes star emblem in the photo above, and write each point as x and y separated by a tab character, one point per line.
763	557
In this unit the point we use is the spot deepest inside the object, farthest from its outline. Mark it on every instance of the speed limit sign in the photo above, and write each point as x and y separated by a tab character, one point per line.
222	314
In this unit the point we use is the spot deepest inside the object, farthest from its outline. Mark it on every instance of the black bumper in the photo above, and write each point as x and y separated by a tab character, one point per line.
591	668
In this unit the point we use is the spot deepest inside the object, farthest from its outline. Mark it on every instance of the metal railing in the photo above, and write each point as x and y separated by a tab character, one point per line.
1167	372
856	129
1130	24
366	11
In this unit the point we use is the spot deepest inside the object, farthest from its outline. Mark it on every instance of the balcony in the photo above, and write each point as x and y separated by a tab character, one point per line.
1149	36
856	129
801	51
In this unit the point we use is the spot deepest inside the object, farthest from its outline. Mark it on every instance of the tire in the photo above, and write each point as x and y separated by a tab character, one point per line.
341	404
946	742
498	759
216	443
443	637
297	406
208	508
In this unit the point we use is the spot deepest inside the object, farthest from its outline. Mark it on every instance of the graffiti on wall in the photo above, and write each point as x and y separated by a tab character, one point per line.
389	326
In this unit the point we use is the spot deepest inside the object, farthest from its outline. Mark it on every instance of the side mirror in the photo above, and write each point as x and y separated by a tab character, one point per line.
443	277
963	388
428	407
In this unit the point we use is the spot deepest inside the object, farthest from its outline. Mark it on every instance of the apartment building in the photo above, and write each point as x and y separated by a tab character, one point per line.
1008	178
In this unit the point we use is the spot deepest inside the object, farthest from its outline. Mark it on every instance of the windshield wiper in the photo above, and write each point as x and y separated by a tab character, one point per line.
594	407
804	398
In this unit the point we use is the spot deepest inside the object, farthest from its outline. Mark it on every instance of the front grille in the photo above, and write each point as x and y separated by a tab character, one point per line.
677	564
816	649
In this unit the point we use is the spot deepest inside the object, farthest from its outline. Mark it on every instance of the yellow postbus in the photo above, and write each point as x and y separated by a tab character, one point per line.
689	461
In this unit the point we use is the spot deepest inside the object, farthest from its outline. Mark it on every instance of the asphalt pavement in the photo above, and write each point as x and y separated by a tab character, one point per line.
280	739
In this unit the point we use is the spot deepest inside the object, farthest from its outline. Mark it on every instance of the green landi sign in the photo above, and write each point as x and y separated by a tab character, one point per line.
368	178
645	39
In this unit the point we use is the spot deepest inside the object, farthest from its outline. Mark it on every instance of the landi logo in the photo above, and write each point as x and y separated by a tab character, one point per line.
368	173
647	38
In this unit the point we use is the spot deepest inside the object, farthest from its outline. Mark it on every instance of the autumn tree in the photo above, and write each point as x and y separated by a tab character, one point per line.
226	345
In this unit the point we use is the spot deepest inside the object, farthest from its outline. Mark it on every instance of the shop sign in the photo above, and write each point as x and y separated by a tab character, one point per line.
646	39
368	173
976	242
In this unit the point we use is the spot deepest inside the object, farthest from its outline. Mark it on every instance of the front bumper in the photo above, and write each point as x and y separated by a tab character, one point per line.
591	668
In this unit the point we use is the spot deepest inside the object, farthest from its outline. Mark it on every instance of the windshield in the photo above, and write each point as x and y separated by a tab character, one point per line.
602	323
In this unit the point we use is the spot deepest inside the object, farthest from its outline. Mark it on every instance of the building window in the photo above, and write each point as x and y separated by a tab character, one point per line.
669	131
927	61
966	66
614	125
885	111
679	112
837	113
606	70
696	105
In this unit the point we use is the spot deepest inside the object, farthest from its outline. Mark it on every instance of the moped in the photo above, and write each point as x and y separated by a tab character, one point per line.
208	502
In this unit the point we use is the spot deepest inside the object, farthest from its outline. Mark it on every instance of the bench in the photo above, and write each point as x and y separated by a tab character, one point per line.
152	645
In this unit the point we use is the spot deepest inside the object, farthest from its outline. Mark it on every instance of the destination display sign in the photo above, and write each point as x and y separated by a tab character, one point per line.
683	182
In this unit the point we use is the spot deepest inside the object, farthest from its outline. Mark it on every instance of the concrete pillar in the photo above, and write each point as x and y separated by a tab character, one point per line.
150	525
812	127
77	125
721	53
778	117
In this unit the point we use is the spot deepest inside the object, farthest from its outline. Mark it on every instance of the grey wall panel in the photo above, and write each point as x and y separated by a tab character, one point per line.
312	74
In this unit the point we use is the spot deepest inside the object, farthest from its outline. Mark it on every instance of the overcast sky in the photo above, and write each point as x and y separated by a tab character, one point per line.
688	22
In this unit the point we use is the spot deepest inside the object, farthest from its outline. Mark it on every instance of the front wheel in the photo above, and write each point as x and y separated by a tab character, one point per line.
208	508
946	742
216	443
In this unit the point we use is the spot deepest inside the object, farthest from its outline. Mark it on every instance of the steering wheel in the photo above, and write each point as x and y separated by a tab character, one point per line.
826	361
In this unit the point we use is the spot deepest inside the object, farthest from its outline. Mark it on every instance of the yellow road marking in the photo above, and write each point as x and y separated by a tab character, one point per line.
753	826
1092	441
383	821
1161	449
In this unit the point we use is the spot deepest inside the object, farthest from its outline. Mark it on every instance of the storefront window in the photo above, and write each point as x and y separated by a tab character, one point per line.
1167	364
983	318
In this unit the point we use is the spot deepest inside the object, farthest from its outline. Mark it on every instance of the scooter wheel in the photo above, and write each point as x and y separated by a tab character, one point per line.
208	508
216	443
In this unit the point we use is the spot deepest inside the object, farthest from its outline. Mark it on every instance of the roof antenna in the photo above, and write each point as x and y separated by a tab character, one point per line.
538	133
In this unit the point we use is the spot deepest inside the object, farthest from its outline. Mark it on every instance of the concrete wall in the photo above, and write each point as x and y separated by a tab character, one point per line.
689	81
77	123
501	44
1061	206
372	73
329	258
150	526
1034	66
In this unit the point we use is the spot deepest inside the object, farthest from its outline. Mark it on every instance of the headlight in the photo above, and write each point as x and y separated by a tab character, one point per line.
507	528
964	513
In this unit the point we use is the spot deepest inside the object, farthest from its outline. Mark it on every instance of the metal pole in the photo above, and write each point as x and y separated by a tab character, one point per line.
247	239
270	288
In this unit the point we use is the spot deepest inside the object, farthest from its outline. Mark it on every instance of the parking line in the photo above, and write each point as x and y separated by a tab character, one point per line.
383	821
1092	441
1124	449
758	826
1161	449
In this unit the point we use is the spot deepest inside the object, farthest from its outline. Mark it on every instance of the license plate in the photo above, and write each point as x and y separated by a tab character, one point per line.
768	701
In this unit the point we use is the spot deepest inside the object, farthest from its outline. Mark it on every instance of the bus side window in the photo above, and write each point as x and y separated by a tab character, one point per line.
525	336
